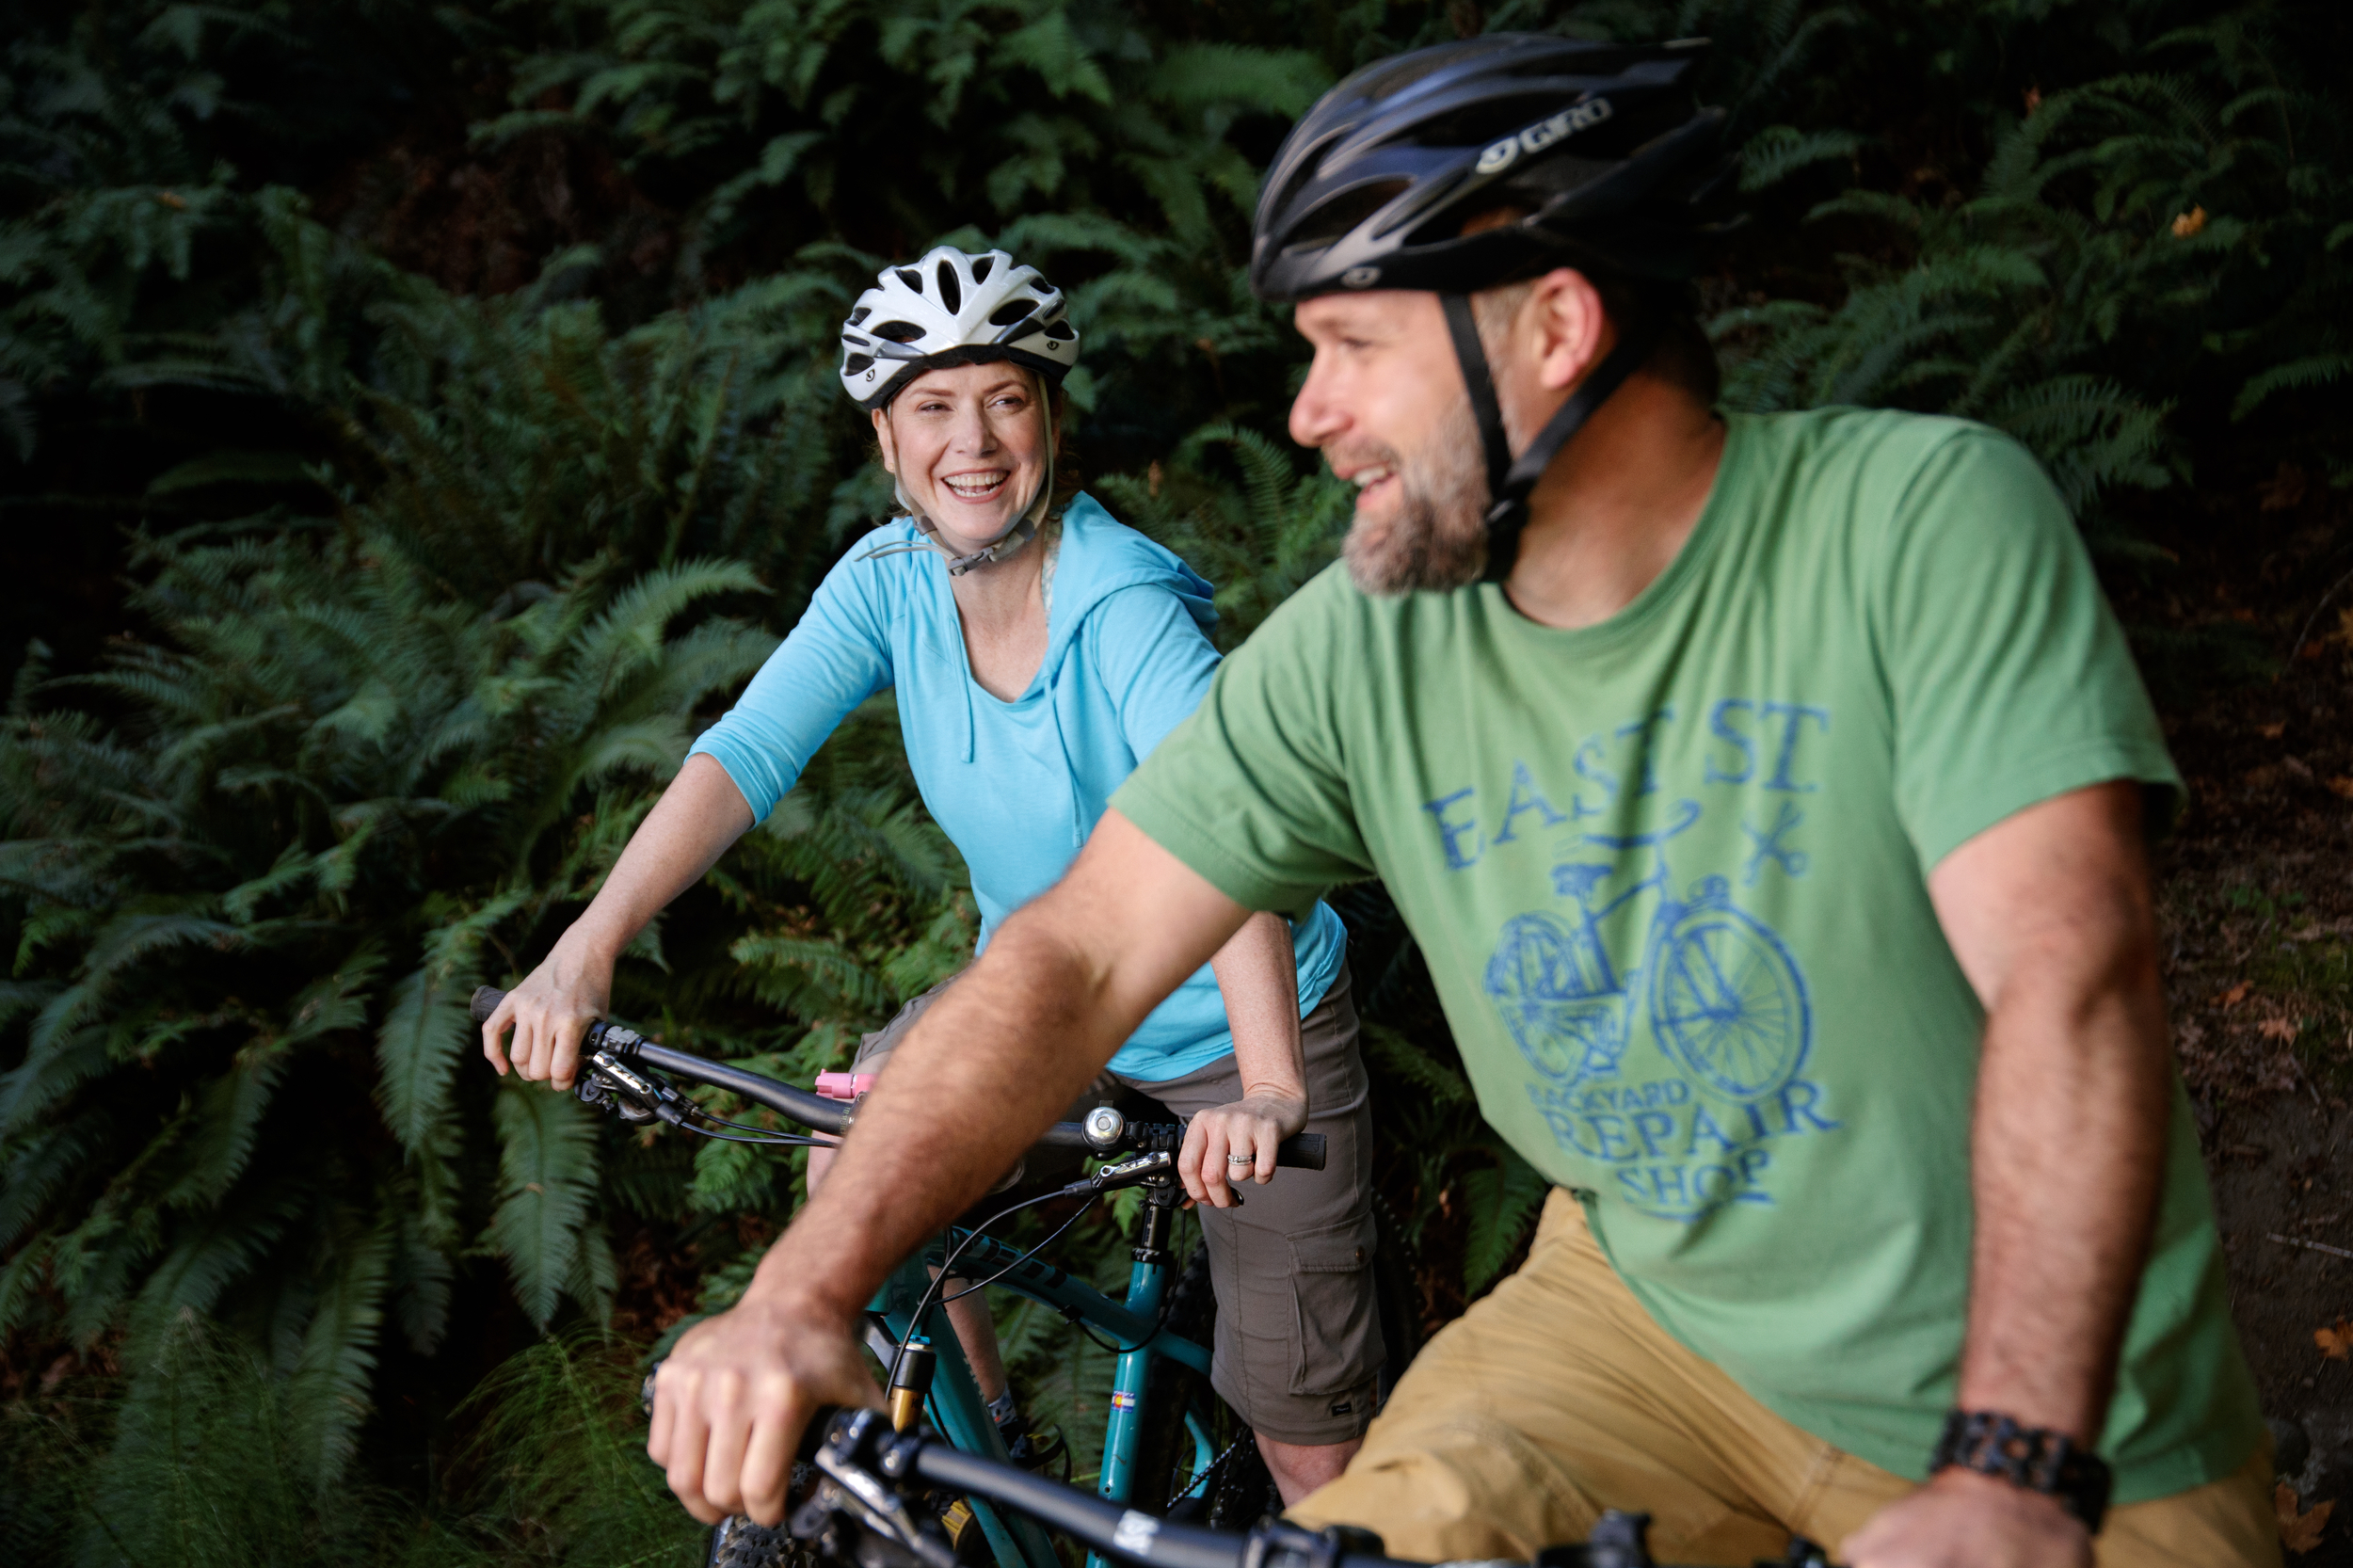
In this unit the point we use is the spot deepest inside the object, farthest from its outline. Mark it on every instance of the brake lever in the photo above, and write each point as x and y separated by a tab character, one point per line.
1146	1169
859	1464
636	1099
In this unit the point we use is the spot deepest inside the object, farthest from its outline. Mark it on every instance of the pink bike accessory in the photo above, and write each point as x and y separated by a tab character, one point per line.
845	1086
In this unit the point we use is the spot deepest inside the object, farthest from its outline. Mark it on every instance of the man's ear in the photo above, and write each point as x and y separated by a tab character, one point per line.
1571	327
882	435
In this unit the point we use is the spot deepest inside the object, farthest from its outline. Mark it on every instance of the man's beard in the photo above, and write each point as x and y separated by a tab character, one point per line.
1437	538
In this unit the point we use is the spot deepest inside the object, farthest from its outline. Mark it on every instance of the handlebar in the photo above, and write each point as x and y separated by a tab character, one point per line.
1301	1151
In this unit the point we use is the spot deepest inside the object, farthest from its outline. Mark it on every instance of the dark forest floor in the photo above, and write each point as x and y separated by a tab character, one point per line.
2256	895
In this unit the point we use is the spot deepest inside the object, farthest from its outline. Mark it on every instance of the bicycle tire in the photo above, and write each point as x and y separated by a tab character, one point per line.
1241	1492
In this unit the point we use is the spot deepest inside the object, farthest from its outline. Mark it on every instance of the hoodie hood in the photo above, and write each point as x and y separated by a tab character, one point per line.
1098	556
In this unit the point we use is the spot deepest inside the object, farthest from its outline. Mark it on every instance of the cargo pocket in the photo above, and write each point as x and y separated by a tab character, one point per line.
1336	1329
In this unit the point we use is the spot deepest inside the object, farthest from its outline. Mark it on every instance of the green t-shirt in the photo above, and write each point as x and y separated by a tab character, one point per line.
1669	872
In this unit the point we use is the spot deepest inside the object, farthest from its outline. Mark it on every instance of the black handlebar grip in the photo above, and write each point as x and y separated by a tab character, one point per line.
1301	1151
486	1002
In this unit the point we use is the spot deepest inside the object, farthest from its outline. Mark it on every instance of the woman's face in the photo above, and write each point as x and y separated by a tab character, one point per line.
969	443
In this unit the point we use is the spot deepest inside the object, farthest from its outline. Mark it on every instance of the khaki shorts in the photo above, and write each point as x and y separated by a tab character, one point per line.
1559	1395
1298	1346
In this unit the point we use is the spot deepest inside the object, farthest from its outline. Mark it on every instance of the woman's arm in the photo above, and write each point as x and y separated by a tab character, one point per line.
1258	975
696	819
835	658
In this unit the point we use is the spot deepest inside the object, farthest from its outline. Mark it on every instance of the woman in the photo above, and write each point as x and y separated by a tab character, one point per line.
1039	651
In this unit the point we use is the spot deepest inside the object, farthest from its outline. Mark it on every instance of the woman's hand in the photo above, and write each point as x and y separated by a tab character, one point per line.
550	1012
1234	1140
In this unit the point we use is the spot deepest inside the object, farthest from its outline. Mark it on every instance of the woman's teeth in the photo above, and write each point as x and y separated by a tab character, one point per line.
972	486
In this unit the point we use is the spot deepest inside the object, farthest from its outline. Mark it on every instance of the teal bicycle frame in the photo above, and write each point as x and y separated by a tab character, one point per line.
953	1407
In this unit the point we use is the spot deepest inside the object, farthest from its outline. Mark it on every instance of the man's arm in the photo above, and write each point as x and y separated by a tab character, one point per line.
2051	917
1258	974
989	1065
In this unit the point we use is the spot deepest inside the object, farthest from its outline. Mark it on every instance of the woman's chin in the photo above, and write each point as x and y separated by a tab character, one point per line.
966	535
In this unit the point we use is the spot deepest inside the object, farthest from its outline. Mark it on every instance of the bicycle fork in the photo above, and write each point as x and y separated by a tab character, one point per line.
1147	1285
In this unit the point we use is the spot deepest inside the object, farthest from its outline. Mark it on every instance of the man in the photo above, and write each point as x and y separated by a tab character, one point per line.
1771	819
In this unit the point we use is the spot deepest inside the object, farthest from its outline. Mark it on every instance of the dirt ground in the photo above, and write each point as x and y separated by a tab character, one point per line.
2256	894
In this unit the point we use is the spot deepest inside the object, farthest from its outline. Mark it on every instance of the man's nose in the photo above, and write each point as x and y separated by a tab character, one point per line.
1317	417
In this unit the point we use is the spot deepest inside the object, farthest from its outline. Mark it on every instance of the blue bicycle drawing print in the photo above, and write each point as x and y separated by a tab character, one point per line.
1724	998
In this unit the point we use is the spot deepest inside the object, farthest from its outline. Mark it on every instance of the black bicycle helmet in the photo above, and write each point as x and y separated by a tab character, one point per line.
1615	163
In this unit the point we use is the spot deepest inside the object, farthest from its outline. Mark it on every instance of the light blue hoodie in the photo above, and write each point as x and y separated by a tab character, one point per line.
1017	785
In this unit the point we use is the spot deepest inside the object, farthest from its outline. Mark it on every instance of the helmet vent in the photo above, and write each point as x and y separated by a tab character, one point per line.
858	317
1060	331
900	332
1387	84
1346	210
951	292
982	267
911	278
1010	312
1496	118
857	363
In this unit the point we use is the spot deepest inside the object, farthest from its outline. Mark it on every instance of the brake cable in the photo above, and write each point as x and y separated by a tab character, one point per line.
923	1303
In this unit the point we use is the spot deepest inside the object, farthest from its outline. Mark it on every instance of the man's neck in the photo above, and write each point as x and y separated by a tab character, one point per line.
1616	504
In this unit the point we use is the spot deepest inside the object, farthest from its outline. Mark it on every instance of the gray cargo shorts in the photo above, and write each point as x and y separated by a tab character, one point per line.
1298	1345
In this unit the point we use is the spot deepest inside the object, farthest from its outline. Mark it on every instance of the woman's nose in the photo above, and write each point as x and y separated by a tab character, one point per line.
973	433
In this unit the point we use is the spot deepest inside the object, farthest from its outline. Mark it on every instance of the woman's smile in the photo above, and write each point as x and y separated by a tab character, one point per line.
981	485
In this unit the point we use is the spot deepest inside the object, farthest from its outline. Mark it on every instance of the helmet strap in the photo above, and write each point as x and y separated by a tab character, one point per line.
1511	480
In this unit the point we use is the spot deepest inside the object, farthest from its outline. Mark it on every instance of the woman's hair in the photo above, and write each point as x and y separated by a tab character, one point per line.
1067	480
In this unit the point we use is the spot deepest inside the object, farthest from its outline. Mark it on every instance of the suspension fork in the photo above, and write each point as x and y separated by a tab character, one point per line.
956	1410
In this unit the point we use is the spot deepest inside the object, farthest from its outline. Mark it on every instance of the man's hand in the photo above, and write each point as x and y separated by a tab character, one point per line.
730	1403
1961	1519
1235	1141
550	1012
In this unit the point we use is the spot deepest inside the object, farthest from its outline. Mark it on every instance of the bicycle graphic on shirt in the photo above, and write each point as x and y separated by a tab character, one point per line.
1724	997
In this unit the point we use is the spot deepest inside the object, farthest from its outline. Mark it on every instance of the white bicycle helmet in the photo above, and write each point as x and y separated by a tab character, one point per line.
954	309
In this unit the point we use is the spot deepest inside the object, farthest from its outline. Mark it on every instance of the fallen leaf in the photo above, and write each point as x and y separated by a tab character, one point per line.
2235	995
2272	731
2283	1030
2340	786
2336	1342
2284	489
2299	1532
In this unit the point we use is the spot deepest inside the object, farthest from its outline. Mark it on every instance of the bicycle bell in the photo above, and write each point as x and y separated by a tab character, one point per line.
1104	1127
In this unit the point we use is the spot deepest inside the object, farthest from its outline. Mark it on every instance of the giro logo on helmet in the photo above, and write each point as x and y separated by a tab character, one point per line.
1543	133
1361	276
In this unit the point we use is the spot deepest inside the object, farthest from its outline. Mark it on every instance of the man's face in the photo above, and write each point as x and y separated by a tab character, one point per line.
1384	401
